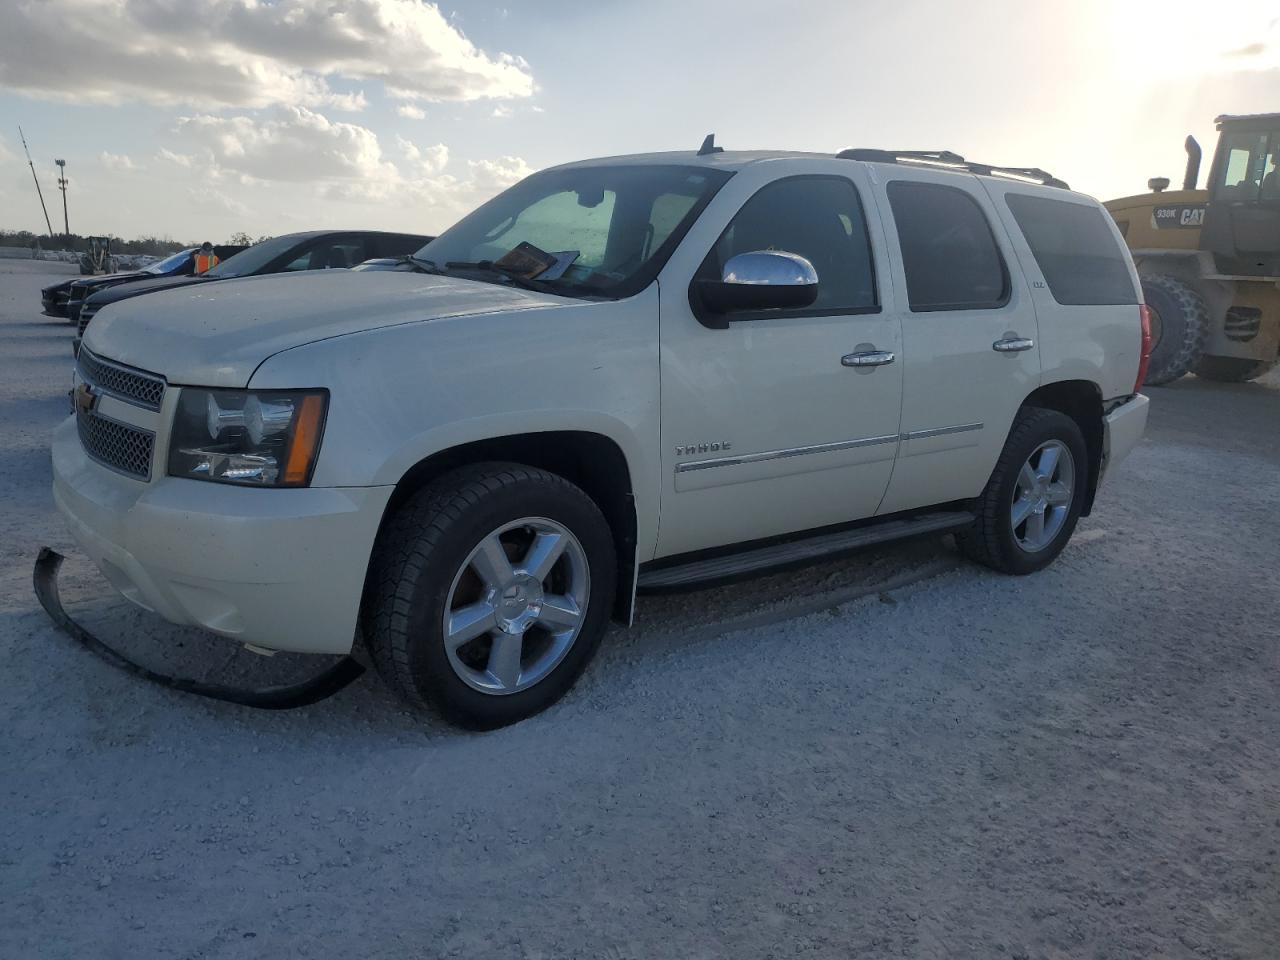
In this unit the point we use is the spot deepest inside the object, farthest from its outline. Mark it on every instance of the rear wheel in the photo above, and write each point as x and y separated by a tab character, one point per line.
492	588
1233	369
1032	502
1179	326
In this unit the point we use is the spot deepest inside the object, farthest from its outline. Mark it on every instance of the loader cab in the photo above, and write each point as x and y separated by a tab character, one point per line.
1242	225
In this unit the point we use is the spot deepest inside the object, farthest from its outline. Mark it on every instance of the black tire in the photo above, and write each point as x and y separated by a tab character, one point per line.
1180	325
421	550
1232	369
991	540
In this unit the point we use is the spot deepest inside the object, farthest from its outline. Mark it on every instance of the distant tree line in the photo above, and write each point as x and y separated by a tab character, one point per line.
155	246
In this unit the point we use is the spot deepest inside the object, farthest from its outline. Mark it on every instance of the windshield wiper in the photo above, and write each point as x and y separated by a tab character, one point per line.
421	264
489	266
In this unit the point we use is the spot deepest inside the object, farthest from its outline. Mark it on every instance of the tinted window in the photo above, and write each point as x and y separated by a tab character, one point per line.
256	257
950	255
395	245
820	218
1076	251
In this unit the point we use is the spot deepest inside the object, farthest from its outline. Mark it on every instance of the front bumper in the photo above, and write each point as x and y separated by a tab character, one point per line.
1122	428
282	569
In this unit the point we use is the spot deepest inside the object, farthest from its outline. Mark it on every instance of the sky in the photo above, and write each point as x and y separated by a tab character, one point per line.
202	118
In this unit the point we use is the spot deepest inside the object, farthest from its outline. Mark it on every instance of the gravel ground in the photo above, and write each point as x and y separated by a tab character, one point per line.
901	755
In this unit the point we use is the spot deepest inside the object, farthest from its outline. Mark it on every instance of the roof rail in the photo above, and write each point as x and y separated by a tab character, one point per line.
953	161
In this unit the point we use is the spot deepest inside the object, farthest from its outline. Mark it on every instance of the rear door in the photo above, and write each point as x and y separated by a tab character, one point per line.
969	334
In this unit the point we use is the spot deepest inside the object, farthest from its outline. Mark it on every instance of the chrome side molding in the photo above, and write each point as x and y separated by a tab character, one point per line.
823	447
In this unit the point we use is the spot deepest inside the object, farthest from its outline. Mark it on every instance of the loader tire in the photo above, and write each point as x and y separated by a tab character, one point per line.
1180	324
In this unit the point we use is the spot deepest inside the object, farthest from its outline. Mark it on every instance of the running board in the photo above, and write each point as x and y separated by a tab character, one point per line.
697	573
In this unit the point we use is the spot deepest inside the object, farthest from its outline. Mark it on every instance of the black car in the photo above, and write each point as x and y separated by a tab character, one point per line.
316	250
54	300
71	294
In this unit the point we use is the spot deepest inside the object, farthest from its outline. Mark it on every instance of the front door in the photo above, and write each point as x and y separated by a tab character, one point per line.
767	427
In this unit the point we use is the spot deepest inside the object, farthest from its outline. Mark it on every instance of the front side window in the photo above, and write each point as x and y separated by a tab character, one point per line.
606	229
819	218
1075	249
948	250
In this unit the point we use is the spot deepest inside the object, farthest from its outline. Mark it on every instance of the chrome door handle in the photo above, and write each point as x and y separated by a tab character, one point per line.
868	358
1013	344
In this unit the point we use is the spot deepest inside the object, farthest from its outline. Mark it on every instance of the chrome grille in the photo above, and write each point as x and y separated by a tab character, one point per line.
116	445
135	386
86	314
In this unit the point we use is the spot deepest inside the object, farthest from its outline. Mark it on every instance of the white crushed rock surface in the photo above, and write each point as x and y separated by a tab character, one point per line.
900	755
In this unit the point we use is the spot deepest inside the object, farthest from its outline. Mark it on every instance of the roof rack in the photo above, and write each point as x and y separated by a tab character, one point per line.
953	161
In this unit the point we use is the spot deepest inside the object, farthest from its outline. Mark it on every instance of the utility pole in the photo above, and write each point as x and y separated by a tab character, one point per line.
39	192
62	185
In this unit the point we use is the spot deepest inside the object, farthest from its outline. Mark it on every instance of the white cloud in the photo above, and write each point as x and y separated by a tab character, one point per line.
425	160
502	110
296	149
491	176
294	144
210	200
178	159
410	112
246	53
116	161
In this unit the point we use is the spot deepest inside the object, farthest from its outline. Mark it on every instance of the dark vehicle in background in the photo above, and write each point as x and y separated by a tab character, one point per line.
293	252
64	299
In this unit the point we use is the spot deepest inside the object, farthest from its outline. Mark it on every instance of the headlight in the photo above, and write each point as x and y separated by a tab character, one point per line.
263	438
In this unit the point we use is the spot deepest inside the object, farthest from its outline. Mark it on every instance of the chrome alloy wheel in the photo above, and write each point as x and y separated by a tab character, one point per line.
1042	496
516	606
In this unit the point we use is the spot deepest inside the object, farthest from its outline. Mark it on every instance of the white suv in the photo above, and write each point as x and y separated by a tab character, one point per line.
645	372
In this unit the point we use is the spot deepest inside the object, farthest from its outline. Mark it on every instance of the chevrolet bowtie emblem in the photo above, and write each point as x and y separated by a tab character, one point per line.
85	399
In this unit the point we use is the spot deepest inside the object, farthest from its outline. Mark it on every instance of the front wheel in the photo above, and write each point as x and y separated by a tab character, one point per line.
1032	502
492	589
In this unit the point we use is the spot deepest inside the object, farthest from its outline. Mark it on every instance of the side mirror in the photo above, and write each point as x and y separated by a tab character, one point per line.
761	280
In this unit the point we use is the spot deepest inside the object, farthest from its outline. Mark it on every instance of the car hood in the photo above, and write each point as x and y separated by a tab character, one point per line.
135	288
216	334
93	284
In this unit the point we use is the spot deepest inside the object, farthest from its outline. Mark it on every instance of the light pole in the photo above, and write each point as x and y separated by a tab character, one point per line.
62	185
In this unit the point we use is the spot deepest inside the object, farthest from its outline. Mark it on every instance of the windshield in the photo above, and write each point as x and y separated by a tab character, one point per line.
609	228
171	262
255	258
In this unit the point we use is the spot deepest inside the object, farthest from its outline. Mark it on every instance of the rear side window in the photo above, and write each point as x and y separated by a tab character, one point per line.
1078	254
948	250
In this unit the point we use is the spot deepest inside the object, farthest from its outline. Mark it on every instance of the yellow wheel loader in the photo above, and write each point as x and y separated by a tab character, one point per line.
1210	259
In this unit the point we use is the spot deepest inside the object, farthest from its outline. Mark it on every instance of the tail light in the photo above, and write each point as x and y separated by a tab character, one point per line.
1145	356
